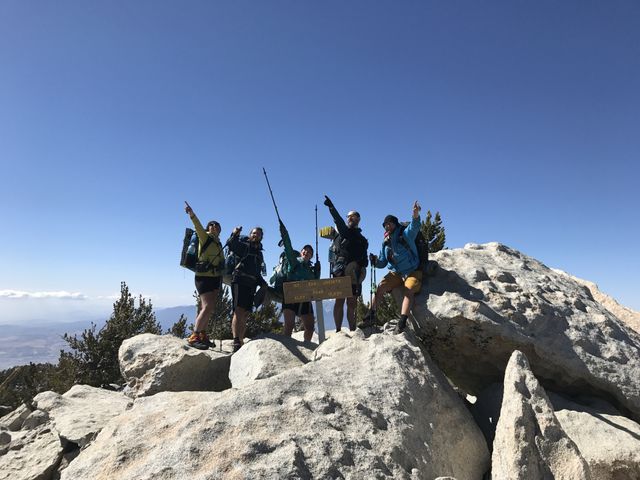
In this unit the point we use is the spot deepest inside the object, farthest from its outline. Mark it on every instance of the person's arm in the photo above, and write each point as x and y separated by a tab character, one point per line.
235	245
292	257
413	228
337	219
379	261
200	231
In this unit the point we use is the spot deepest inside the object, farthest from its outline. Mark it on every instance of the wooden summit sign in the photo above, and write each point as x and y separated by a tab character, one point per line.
309	290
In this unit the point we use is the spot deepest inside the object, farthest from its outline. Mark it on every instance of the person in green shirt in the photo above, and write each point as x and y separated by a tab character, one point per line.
208	279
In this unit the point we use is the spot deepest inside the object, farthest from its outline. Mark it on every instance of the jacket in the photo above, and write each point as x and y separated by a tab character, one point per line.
394	252
299	268
213	254
248	270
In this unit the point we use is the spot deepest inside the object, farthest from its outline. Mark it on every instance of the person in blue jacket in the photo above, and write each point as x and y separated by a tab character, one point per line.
400	254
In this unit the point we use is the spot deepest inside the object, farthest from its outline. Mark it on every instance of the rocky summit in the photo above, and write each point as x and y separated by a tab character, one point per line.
508	370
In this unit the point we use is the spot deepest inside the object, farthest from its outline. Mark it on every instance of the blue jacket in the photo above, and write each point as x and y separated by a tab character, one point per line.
394	252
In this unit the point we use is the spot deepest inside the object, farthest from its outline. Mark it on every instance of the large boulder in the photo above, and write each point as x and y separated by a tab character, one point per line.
529	441
32	454
267	356
82	412
158	363
608	441
13	421
485	301
627	315
364	408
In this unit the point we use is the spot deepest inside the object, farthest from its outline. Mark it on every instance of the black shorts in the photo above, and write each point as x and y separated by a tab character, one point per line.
299	308
356	288
243	296
207	284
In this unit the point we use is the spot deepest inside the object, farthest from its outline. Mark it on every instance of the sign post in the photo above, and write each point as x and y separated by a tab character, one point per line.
317	290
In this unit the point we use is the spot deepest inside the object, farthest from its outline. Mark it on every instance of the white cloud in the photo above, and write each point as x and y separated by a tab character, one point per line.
61	295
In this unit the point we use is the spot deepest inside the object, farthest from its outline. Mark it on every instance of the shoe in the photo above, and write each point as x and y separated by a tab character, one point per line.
194	341
204	339
369	320
400	326
236	345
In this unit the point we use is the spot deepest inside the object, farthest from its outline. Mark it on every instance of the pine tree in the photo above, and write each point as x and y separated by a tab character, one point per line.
179	329
263	320
95	353
433	232
220	320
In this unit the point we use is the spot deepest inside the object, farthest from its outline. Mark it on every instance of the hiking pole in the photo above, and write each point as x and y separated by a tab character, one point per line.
317	259
271	192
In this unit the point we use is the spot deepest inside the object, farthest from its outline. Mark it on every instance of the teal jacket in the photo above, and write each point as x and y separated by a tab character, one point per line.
299	268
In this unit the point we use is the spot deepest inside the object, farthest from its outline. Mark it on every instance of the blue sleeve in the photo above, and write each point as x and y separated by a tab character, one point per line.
411	232
382	258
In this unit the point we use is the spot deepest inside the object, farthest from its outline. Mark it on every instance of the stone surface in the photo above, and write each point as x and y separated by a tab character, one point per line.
13	421
394	416
529	441
35	419
609	442
157	363
485	301
267	356
627	315
32	455
82	412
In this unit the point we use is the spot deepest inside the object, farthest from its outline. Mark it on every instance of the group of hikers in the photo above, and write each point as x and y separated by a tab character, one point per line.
348	258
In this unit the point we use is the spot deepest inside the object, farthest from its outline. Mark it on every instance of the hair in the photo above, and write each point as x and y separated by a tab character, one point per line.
308	247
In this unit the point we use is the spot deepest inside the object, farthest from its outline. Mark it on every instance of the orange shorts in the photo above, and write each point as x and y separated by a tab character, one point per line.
393	280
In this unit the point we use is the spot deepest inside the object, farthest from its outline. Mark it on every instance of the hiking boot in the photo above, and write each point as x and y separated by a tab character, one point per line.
236	346
194	341
369	320
400	326
204	339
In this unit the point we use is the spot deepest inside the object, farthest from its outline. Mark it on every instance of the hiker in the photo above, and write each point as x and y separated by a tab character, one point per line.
298	268
245	278
400	254
208	279
349	250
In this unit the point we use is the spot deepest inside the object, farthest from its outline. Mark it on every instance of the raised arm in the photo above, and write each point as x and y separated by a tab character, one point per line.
337	219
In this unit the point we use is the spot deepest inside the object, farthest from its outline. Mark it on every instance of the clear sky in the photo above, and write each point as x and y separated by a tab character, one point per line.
518	121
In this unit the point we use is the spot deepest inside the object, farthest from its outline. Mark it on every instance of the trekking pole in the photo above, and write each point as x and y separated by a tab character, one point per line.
271	192
317	259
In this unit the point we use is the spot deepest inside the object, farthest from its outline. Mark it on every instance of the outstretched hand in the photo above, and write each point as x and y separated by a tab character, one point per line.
373	258
236	231
188	209
416	209
328	202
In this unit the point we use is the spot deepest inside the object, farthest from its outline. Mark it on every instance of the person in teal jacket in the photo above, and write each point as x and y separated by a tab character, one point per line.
400	254
299	268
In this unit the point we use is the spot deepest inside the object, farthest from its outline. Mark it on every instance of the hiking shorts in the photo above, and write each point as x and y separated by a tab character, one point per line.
357	275
412	282
242	296
299	308
207	284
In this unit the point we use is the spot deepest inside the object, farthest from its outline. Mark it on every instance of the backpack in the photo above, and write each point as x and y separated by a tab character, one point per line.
422	246
280	272
189	254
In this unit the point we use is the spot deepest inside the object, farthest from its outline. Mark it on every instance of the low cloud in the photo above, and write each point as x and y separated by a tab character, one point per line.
60	295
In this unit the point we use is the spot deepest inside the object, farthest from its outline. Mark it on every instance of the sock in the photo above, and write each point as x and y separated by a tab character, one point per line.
403	318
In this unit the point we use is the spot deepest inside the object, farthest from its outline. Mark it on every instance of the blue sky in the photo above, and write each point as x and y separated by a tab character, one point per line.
517	121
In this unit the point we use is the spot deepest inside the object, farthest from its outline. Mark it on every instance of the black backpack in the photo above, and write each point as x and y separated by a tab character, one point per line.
189	254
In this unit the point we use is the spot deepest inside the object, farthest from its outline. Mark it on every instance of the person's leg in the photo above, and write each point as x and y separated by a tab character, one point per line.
412	285
308	322
351	312
207	304
239	324
338	313
289	321
390	281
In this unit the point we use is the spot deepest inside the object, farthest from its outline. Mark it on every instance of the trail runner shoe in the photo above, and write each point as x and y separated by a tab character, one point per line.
194	341
204	339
